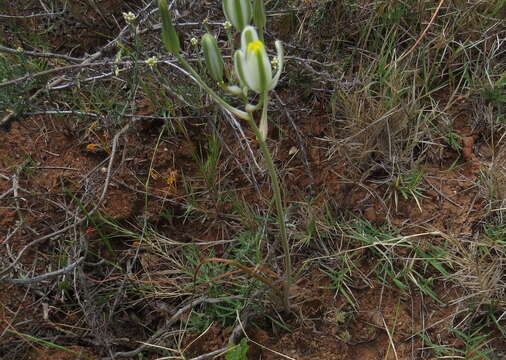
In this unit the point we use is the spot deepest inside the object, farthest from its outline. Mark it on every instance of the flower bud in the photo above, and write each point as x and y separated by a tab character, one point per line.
238	12
169	36
214	60
280	61
234	90
239	68
259	18
250	108
249	34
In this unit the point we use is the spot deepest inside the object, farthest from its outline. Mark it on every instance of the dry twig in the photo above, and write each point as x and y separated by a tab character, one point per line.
49	275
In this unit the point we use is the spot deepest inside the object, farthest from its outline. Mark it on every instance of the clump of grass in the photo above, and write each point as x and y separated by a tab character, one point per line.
419	268
475	345
408	186
208	161
412	79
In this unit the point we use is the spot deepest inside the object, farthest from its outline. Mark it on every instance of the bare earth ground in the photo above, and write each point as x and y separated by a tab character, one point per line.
57	172
454	205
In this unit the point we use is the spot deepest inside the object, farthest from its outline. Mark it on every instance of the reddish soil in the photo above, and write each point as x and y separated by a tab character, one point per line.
323	326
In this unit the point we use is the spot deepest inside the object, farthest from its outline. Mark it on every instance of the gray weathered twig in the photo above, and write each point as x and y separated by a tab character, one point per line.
9	50
49	275
177	315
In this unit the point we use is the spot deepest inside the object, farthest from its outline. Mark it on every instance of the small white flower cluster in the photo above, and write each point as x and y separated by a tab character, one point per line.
152	61
129	17
227	25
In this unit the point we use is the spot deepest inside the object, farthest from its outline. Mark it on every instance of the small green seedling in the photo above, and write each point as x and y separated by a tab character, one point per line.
239	351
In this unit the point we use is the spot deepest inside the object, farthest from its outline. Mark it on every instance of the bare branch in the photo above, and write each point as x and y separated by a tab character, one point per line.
3	16
56	70
8	50
39	278
177	315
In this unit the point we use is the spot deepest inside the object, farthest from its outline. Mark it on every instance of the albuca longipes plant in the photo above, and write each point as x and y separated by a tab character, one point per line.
253	71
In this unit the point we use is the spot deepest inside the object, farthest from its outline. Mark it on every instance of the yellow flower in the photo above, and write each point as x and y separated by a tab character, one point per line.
252	64
171	180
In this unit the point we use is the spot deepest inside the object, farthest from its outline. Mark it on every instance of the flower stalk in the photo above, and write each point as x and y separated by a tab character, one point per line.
239	113
280	209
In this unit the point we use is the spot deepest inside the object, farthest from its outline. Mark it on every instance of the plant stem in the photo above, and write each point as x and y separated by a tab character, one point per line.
270	168
277	199
242	114
264	126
